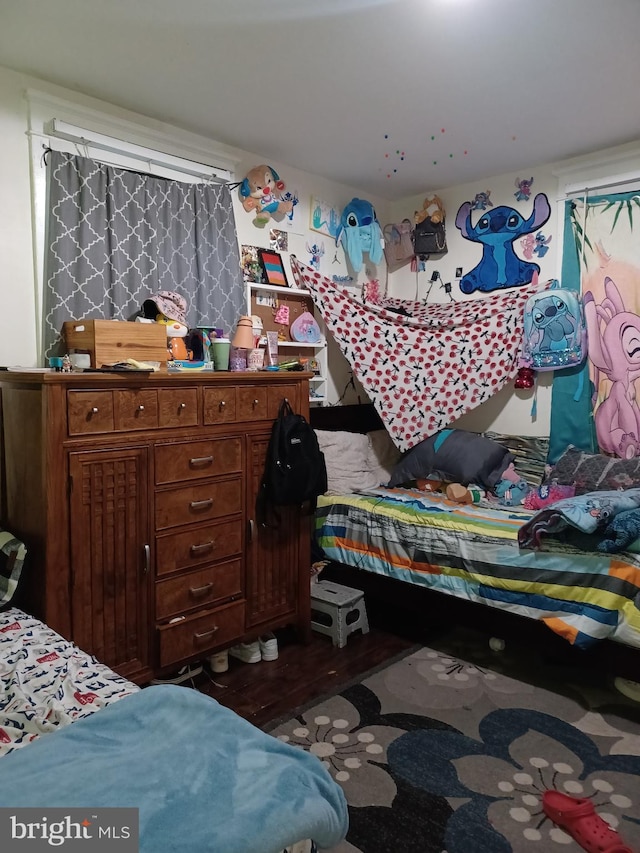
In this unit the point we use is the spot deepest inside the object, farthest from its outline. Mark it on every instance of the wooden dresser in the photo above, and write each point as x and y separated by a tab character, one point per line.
135	496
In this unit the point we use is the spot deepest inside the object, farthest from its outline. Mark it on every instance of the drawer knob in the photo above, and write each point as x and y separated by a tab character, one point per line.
201	504
205	546
256	403
200	590
222	405
197	461
183	405
94	410
204	634
141	408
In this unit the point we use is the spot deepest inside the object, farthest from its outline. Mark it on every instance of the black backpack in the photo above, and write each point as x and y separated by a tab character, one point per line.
295	472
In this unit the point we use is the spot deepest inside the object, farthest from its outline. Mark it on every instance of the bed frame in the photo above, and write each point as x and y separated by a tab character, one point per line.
418	612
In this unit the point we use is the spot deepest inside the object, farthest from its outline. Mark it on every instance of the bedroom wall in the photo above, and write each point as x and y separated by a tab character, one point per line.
510	411
506	412
19	288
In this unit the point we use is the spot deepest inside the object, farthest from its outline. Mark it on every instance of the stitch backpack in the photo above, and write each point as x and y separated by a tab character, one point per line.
555	331
295	471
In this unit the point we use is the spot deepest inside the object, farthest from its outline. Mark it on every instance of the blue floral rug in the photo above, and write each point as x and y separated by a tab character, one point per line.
443	753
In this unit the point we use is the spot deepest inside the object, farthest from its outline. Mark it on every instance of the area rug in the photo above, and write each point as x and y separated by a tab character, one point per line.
439	753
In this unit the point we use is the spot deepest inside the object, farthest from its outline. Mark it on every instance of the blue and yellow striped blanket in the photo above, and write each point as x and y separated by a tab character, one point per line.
472	552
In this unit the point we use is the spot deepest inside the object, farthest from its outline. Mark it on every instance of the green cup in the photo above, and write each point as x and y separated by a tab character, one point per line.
221	349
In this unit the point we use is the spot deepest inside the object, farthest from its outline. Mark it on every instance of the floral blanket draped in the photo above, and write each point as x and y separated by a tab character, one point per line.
426	367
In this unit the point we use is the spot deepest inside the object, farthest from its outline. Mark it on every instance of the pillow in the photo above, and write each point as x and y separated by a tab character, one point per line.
12	554
383	455
348	459
590	472
543	496
456	456
530	451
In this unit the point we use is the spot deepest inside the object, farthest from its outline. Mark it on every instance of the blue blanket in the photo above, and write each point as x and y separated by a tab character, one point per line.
203	778
591	513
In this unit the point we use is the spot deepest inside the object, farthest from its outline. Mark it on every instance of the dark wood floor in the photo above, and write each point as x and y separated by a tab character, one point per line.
270	690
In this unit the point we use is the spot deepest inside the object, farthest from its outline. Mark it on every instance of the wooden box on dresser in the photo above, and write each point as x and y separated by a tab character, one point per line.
135	495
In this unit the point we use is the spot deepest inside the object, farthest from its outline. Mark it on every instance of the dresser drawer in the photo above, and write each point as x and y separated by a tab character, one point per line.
200	502
178	407
200	634
195	460
198	546
90	411
201	588
219	405
276	395
136	409
252	403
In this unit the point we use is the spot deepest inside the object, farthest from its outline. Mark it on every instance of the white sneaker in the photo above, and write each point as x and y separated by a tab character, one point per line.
247	652
220	661
630	689
268	646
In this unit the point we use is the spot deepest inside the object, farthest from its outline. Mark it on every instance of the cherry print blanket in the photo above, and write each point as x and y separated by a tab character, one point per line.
428	366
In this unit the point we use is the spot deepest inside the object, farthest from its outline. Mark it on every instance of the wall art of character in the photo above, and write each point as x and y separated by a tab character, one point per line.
523	193
496	230
360	233
316	250
261	191
614	350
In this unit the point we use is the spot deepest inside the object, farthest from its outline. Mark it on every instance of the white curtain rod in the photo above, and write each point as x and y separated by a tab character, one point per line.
62	130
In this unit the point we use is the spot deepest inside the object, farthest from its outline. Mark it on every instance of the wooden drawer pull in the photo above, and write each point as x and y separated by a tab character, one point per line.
200	590
205	546
201	460
201	504
204	634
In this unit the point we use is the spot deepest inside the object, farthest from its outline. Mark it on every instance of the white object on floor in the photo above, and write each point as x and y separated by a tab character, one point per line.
246	652
337	611
184	674
220	661
496	644
268	646
628	688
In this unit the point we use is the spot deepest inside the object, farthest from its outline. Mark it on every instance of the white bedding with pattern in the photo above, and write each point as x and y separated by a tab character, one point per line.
47	681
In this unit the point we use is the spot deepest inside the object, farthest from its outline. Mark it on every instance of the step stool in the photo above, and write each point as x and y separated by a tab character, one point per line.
337	611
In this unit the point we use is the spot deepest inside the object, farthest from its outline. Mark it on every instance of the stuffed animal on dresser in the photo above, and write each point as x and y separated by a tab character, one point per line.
170	310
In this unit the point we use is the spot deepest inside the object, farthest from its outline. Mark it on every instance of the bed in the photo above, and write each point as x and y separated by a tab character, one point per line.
74	734
434	558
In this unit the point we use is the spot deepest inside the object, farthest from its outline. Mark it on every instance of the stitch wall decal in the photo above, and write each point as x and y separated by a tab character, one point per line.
496	230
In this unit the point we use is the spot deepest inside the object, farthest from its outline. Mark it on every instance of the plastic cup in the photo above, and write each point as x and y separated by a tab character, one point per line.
221	349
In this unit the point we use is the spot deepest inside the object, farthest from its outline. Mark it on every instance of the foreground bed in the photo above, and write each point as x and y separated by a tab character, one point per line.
451	563
202	778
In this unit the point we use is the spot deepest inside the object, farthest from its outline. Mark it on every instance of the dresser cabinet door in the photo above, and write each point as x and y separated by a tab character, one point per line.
272	554
109	511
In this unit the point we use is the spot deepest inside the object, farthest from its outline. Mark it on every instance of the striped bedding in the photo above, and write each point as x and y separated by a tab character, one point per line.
472	552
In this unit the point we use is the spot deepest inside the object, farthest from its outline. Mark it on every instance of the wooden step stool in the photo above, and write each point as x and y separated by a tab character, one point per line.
337	611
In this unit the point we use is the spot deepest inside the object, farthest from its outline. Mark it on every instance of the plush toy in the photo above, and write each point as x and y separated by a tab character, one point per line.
261	192
360	232
432	208
170	310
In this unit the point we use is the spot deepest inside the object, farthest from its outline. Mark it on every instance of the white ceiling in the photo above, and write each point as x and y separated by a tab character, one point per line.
393	97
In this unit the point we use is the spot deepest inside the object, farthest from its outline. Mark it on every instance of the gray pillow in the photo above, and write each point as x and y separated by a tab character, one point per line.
456	456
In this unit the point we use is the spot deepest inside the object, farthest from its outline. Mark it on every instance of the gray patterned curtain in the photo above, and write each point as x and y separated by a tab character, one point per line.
114	238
